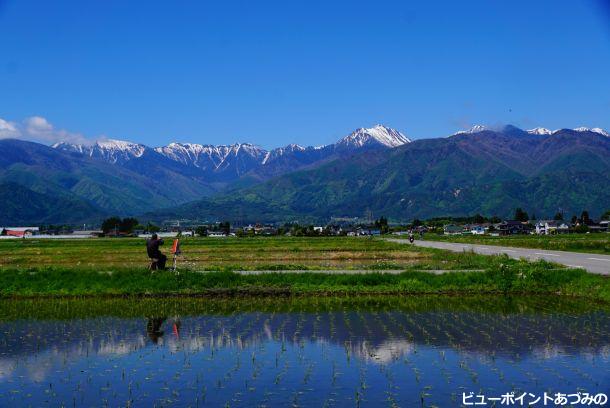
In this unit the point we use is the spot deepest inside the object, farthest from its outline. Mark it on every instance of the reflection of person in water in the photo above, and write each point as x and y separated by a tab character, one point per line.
176	327
153	328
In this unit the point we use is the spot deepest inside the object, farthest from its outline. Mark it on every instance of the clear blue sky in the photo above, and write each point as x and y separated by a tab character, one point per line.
308	72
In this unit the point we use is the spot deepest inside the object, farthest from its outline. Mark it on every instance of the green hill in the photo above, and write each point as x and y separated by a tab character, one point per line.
21	205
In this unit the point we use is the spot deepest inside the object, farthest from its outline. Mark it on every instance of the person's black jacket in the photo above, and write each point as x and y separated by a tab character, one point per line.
152	247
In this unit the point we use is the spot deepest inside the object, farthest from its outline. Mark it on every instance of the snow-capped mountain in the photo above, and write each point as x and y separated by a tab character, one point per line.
191	154
281	151
110	150
237	159
225	163
474	129
240	159
377	135
540	131
544	131
594	130
209	157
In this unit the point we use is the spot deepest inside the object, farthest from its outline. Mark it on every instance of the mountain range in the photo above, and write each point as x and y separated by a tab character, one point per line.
222	165
125	178
377	170
487	171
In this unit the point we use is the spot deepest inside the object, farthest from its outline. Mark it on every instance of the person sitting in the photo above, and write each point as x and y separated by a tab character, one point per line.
152	248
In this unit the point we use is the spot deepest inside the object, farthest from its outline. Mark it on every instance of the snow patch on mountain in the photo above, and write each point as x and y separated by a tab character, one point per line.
250	149
281	151
109	149
69	147
192	154
209	156
121	146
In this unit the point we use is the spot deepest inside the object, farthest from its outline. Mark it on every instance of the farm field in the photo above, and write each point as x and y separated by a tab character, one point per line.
215	253
315	351
212	266
598	243
84	321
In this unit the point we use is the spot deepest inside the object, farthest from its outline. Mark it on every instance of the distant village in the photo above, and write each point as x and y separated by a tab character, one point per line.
475	225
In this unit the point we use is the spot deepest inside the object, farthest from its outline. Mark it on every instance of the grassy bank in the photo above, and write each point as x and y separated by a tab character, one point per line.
591	243
501	275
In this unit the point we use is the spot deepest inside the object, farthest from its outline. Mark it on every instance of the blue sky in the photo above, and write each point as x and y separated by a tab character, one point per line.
308	72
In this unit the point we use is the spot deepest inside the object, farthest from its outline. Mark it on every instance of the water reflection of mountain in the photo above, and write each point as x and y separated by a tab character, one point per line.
377	336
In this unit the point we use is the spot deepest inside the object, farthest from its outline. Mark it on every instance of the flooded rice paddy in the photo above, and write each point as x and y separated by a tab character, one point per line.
370	351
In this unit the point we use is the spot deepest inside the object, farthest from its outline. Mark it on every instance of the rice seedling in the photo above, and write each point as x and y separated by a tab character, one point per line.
323	351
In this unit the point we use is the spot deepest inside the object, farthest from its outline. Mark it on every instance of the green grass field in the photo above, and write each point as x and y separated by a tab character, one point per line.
592	243
118	267
231	254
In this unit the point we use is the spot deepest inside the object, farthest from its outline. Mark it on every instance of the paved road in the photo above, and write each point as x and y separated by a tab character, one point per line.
594	263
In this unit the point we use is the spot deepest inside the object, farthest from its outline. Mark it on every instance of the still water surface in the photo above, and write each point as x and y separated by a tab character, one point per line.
369	351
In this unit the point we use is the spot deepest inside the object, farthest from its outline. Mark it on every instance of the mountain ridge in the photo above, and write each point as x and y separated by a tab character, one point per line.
194	154
490	172
486	170
126	178
224	164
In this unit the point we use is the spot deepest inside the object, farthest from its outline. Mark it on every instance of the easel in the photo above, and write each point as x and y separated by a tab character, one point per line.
176	251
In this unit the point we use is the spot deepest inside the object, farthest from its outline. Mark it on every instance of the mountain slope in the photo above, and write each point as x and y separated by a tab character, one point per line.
491	172
125	178
112	188
21	206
